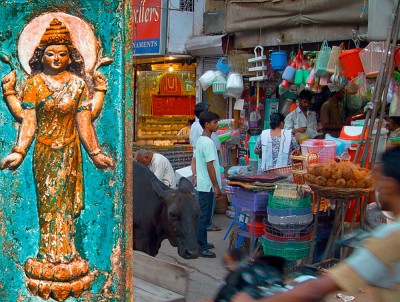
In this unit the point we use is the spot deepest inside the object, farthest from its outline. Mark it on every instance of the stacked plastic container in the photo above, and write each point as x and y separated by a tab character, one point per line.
288	232
248	205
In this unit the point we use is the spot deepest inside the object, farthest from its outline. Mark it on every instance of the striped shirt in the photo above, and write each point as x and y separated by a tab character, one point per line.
377	263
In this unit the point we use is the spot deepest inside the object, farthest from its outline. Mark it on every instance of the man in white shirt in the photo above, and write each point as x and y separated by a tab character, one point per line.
196	130
302	121
158	164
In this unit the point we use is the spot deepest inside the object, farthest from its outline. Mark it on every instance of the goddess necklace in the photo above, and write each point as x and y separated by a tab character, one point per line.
54	85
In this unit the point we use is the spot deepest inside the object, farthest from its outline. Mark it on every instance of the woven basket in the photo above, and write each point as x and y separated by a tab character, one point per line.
286	170
238	60
222	204
341	193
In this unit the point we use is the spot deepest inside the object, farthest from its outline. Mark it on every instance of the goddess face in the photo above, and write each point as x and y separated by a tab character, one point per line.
56	58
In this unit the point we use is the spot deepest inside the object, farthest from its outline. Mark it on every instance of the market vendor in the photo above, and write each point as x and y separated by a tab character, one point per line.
394	126
332	114
301	120
274	145
375	263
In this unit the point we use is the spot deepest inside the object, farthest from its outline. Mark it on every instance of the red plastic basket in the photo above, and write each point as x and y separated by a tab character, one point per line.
289	233
256	228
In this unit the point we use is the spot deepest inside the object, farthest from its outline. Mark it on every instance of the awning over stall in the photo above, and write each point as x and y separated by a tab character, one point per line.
254	20
207	45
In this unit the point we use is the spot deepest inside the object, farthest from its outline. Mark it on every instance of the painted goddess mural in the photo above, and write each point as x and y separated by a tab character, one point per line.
55	108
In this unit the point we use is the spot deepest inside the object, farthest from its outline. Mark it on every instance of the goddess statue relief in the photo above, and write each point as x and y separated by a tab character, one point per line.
55	108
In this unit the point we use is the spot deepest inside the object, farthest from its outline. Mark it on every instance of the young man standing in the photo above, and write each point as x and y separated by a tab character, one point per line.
195	132
208	178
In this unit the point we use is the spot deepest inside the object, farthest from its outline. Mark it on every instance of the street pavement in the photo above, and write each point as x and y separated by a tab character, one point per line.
207	274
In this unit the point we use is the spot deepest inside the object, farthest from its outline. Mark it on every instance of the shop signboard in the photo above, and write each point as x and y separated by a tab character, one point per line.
149	26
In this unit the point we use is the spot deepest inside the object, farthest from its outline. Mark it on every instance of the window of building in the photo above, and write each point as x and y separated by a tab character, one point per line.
186	5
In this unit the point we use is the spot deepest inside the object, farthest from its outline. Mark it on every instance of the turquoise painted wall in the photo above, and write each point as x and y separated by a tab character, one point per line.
100	233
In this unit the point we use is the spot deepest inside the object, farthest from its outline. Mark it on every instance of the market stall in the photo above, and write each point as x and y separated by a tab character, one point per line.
300	222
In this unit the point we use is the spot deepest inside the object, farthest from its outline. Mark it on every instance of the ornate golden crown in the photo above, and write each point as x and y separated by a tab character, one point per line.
56	34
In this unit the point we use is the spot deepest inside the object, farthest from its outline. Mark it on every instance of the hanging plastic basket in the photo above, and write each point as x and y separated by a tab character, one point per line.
207	79
222	65
219	87
234	84
351	63
371	58
334	59
322	59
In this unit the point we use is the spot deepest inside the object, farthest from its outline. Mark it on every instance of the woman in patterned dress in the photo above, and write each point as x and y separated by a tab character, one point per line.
275	145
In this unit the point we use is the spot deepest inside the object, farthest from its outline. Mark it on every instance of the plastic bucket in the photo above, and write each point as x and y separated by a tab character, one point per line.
306	74
298	76
397	56
288	73
353	149
311	78
252	144
278	60
351	63
256	228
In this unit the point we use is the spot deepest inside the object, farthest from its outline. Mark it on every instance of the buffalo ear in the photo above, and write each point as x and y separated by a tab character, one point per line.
160	192
185	183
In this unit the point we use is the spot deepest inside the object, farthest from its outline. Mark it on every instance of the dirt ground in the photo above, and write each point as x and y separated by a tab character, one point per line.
206	275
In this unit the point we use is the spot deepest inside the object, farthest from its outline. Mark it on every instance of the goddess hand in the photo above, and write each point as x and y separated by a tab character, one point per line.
102	161
99	79
8	82
12	161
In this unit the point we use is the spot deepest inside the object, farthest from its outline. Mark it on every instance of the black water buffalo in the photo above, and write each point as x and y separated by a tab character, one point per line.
160	212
